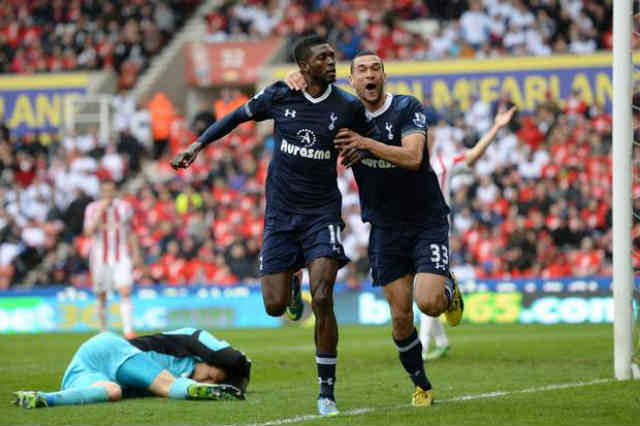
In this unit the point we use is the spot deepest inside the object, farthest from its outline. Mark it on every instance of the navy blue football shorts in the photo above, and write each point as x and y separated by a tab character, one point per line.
408	249
291	241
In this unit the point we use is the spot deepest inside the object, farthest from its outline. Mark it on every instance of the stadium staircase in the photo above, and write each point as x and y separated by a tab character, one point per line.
166	70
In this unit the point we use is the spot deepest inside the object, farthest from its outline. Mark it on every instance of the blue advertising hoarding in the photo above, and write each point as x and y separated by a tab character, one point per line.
160	307
36	103
56	309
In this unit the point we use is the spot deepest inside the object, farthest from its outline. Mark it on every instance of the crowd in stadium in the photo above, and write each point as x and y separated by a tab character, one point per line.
51	36
54	36
538	203
429	29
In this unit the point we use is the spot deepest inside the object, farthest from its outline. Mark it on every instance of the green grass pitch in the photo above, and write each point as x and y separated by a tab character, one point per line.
494	375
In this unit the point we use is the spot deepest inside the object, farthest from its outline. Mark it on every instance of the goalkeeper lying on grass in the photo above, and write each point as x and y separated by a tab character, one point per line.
180	364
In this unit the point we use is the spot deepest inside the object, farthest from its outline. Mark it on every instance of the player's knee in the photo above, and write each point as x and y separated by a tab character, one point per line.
275	294
322	297
432	305
275	304
114	391
275	309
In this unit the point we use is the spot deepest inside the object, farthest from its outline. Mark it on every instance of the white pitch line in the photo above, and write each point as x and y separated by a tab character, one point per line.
530	390
499	394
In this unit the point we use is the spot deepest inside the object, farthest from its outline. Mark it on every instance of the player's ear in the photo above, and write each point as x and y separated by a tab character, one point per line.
350	80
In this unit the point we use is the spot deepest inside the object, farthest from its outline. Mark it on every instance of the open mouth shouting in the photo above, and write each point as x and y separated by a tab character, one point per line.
371	90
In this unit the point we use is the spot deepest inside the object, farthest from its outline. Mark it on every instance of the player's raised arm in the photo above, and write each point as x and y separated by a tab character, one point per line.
216	131
502	119
256	109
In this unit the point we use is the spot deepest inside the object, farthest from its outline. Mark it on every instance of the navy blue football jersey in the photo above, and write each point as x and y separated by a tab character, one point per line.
302	174
389	194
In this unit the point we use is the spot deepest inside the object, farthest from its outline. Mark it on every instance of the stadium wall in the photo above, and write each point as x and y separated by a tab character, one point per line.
526	79
57	309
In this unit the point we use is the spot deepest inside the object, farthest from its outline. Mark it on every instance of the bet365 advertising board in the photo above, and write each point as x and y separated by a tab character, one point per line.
61	309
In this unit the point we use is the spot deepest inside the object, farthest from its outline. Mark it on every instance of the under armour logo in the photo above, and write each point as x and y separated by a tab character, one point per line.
389	126
290	113
333	117
328	381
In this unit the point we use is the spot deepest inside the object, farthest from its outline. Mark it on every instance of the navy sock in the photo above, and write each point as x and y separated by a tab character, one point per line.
326	373
410	351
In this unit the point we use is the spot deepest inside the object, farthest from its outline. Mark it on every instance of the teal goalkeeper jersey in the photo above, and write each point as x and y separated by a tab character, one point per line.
181	366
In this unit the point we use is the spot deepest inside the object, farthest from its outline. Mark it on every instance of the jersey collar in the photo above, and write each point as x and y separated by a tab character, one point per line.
320	98
382	109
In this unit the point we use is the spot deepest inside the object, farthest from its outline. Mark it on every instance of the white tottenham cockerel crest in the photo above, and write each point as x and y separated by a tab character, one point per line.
389	127
333	117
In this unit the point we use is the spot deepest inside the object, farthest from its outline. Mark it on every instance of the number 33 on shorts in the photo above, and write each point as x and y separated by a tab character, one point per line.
439	256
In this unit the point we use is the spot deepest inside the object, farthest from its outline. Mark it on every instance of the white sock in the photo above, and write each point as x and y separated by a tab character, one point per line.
126	310
438	333
425	331
101	314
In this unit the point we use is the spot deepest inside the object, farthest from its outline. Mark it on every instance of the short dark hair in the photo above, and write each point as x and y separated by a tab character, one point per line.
302	49
365	53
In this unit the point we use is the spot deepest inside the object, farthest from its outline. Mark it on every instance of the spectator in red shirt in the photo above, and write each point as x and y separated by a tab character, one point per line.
600	120
586	260
172	265
575	104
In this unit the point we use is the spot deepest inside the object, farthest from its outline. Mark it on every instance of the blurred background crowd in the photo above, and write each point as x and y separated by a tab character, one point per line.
58	35
429	29
537	204
45	35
